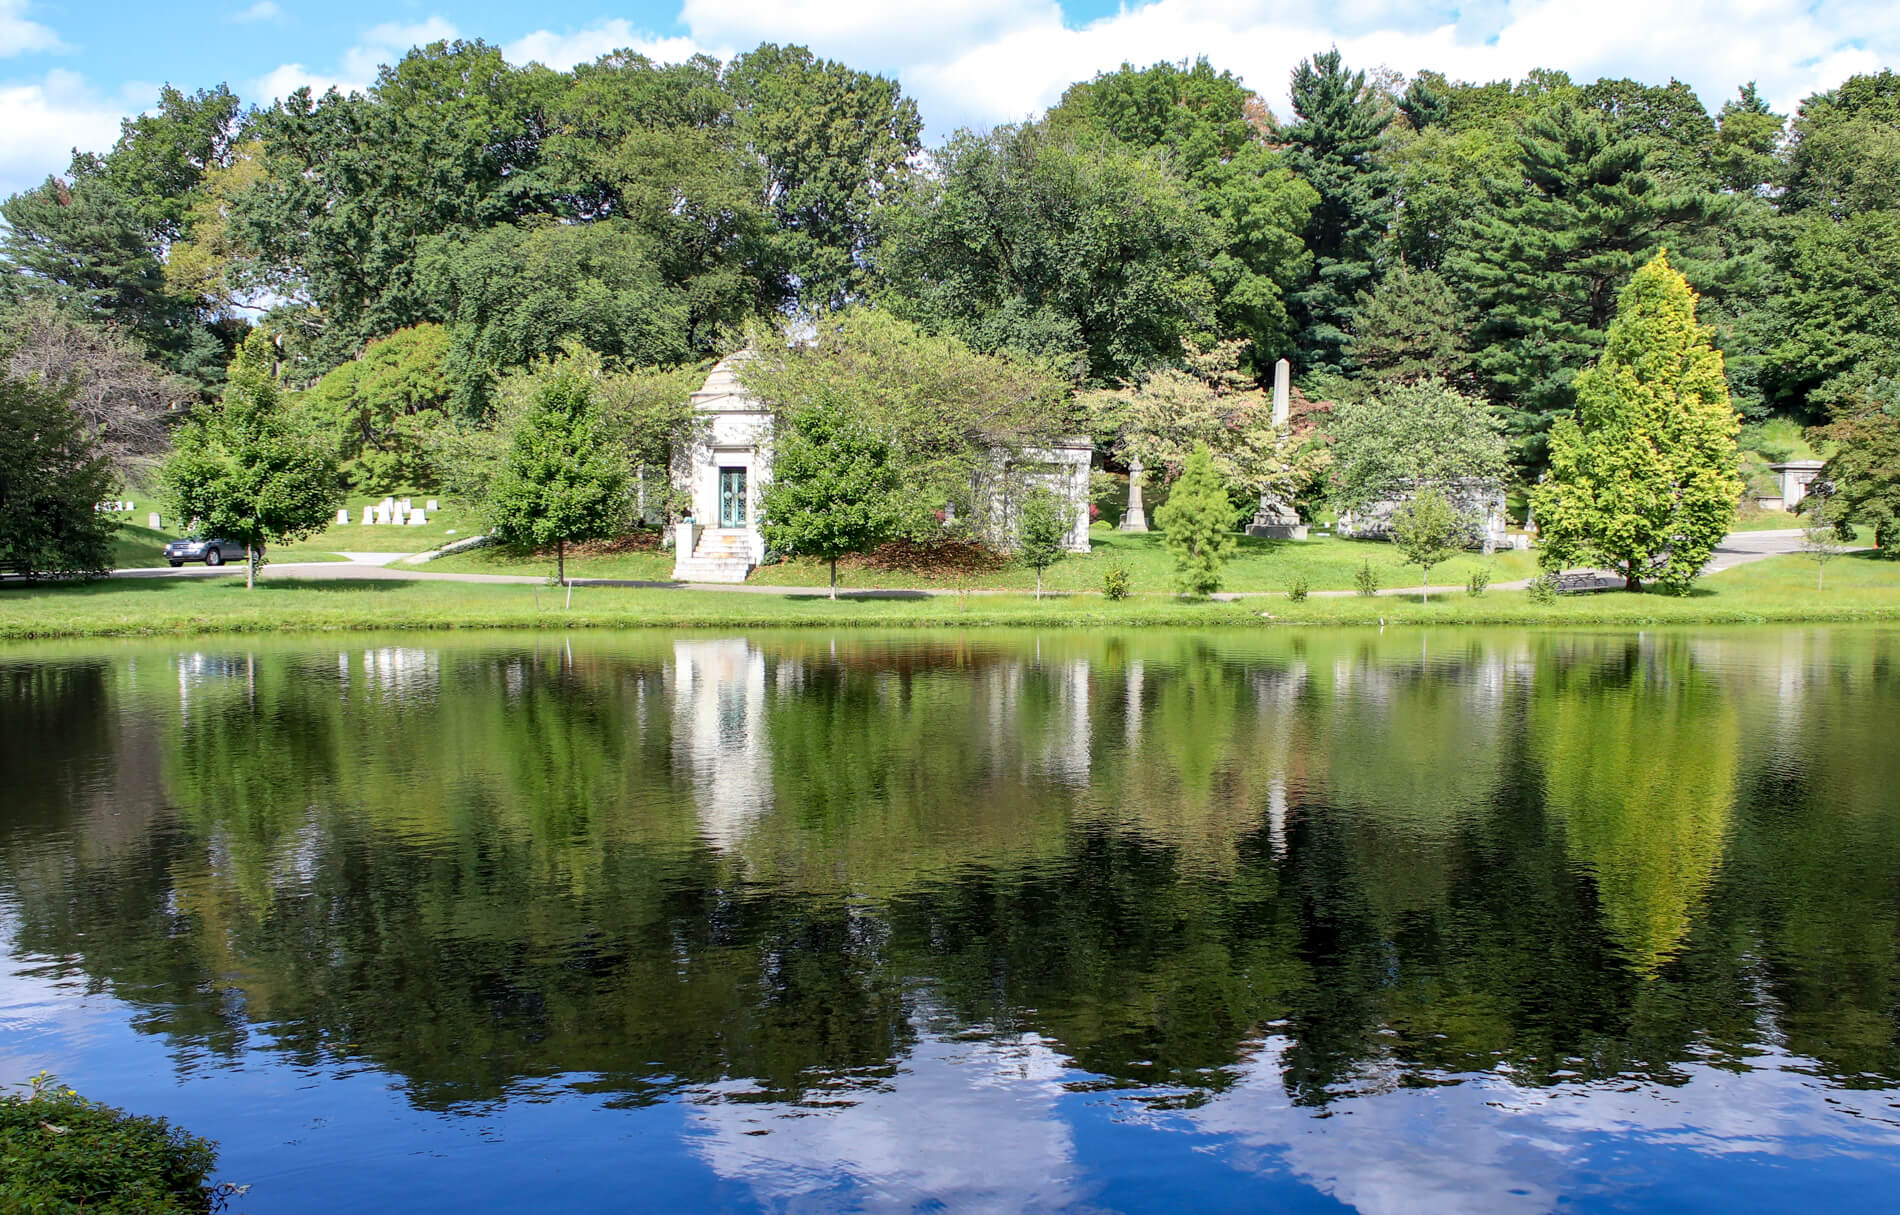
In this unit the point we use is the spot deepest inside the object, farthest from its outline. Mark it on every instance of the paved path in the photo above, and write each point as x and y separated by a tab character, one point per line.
1738	548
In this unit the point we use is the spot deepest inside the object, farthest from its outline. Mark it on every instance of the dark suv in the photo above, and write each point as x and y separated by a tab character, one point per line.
211	551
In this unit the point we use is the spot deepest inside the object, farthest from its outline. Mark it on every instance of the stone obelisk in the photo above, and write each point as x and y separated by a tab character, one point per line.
1275	520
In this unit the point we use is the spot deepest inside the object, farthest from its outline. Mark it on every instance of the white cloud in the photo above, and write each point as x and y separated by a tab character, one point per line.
992	61
563	51
45	119
263	10
19	36
967	1126
356	68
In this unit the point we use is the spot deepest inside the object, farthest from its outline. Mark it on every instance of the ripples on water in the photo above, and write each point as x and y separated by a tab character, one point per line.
1497	921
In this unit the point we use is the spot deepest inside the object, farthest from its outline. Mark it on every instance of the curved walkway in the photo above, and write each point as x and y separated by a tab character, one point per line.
1737	548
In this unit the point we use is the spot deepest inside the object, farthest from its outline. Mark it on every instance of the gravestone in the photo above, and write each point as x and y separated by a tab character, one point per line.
1136	518
151	521
369	515
417	518
431	505
1276	520
342	515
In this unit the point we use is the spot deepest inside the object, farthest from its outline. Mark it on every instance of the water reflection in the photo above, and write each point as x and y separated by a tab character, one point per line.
920	894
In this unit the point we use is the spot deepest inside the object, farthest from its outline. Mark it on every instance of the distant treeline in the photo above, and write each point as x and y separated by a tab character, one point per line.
1387	228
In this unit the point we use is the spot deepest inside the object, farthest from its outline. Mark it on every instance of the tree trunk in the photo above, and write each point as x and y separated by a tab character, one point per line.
1630	581
1820	577
1039	582
250	568
834	577
1425	584
560	562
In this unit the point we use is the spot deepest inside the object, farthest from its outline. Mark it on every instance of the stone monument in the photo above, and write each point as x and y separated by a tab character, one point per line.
1276	520
1136	519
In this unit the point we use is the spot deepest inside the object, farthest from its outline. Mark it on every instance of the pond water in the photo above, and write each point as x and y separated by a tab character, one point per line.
1508	921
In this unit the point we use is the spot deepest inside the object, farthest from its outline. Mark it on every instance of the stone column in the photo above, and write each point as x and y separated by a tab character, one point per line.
1136	519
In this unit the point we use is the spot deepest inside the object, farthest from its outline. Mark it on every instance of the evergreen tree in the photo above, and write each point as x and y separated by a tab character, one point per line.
1334	147
1414	327
52	478
244	471
1643	479
834	486
1547	257
1197	521
563	478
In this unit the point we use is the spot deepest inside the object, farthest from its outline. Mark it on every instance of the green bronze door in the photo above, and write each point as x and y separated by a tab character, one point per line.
732	497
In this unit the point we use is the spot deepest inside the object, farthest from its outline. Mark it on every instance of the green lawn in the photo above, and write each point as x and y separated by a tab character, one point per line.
1258	565
1860	587
139	547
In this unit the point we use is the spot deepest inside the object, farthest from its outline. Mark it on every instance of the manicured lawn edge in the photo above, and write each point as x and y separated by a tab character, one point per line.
1766	593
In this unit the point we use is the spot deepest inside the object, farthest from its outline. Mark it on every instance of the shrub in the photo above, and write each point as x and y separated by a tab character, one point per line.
1115	578
64	1153
1297	587
1479	580
1544	589
1366	579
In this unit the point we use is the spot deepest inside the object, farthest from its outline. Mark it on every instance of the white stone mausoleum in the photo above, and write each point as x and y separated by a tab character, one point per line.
724	471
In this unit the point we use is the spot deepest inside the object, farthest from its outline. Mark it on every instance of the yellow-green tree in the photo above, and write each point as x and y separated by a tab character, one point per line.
1643	479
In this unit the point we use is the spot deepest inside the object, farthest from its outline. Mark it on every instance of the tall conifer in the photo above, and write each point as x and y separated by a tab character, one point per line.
1643	479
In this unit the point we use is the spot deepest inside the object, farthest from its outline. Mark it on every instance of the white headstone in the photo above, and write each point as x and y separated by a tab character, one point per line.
417	518
342	515
368	516
432	506
403	506
388	503
151	521
1282	391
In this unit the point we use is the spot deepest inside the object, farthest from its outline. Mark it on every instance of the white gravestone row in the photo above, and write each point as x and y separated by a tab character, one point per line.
390	512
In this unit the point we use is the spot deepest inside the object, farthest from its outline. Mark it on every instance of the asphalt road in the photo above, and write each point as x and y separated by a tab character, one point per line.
1737	548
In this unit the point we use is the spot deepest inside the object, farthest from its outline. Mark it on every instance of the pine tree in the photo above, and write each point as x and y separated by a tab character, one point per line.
564	478
1643	480
1412	328
1198	523
1334	147
1549	253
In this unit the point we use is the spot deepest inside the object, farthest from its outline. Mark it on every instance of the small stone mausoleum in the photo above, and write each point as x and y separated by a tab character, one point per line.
724	471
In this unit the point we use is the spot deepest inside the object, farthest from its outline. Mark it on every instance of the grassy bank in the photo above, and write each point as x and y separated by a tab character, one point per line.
1328	563
1778	590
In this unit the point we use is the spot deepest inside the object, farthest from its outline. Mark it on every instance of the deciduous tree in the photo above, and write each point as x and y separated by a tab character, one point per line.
243	470
834	485
562	479
1042	530
52	478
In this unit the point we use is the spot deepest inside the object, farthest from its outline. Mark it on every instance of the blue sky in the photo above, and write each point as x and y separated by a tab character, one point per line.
69	69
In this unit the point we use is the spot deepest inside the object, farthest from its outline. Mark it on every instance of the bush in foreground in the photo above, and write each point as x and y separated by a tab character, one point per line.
63	1153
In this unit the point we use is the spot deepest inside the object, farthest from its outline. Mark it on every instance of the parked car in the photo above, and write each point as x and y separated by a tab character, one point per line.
211	550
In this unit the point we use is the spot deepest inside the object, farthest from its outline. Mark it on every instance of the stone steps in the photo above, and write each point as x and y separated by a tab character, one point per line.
711	569
718	557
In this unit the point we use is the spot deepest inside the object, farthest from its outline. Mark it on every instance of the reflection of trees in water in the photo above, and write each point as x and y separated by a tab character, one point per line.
1400	861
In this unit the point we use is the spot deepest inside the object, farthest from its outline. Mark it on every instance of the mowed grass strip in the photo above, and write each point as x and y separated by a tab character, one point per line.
1327	563
1860	587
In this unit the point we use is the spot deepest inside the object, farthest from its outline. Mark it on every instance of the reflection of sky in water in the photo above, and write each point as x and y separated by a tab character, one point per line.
968	1117
968	1123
